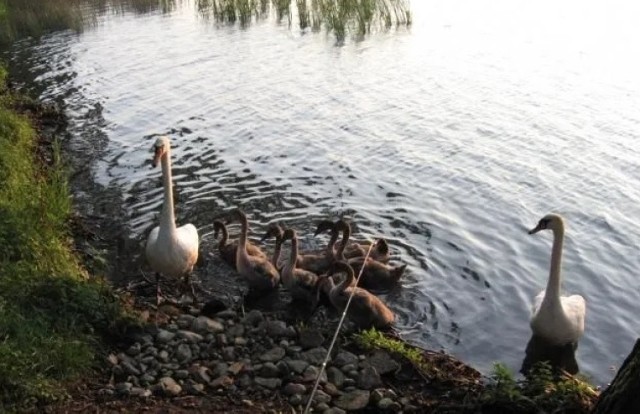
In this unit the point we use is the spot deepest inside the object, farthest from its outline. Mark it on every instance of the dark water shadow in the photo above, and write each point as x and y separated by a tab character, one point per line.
559	357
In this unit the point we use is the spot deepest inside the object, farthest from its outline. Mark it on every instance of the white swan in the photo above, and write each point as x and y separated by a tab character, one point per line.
558	319
171	251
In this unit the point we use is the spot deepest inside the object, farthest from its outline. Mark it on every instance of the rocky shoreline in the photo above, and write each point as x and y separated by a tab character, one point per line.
254	356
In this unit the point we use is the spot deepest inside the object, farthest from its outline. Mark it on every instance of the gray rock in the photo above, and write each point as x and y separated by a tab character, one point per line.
123	388
140	392
163	356
193	388
228	353
269	370
185	321
344	358
273	355
106	392
322	407
295	400
354	400
189	336
112	359
236	367
369	378
321	397
253	318
183	353
181	374
293	388
310	338
147	378
283	368
314	356
235	331
223	381
389	405
240	341
134	349
349	368
169	387
311	373
164	336
129	368
382	362
334	410
220	369
204	325
331	389
380	393
276	329
222	340
226	314
335	376
201	374
270	383
297	365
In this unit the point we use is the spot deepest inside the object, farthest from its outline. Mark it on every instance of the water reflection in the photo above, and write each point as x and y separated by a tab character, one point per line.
559	357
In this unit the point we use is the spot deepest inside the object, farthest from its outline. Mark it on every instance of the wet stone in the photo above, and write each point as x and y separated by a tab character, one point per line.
220	369
183	353
134	349
123	388
270	383
185	321
169	387
382	362
314	356
229	353
164	336
344	358
297	365
253	318
322	407
293	388
129	368
273	355
369	378
389	405
269	370
310	338
335	376
354	400
311	373
295	400
140	392
204	325
181	374
276	329
321	397
189	336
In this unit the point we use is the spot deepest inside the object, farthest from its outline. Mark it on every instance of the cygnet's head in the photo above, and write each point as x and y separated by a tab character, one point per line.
549	222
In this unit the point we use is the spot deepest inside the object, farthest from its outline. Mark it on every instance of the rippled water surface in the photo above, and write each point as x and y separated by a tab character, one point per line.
450	139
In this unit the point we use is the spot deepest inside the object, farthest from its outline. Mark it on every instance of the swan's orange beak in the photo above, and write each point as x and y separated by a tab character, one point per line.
156	156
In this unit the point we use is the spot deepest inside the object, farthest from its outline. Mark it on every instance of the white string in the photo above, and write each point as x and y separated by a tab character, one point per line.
335	335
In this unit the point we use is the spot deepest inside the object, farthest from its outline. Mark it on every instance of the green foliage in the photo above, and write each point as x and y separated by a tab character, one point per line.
49	312
339	17
540	391
374	339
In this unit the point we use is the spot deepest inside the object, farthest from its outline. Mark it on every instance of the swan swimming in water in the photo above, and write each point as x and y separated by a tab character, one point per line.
557	319
170	250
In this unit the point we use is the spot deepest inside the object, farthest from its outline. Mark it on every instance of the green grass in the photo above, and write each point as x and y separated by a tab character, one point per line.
339	17
540	391
51	314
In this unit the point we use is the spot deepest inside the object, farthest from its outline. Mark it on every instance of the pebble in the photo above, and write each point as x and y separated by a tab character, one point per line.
297	365
170	387
335	376
273	355
292	388
134	349
389	404
269	370
253	318
204	325
344	358
270	383
310	338
189	336
354	400
369	378
183	353
164	336
314	356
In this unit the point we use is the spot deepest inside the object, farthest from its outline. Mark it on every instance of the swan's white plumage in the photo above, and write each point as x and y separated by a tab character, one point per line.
170	250
558	319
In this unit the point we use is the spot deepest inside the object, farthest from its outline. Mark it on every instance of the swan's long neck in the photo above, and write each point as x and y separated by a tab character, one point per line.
276	252
244	231
293	256
346	233
332	242
553	286
225	237
167	218
348	281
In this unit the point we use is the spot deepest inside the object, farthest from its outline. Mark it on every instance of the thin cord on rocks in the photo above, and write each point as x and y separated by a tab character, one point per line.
335	335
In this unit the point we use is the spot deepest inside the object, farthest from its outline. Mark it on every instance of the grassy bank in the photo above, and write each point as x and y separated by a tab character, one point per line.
51	314
542	391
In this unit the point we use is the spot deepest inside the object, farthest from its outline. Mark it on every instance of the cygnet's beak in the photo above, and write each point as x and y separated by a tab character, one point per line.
535	229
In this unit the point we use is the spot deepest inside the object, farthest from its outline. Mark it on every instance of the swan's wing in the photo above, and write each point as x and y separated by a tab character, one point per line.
153	236
575	308
189	241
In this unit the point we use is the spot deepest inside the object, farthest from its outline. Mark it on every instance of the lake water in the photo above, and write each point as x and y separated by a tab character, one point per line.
450	138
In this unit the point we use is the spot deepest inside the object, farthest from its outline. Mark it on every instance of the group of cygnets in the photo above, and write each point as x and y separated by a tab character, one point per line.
306	276
173	251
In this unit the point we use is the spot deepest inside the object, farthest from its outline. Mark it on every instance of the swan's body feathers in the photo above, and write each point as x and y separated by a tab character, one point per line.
173	257
560	325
